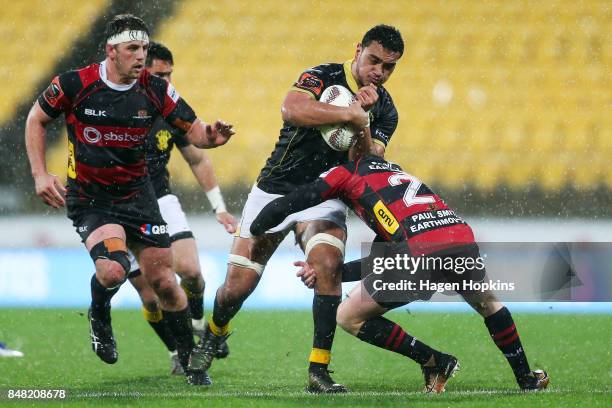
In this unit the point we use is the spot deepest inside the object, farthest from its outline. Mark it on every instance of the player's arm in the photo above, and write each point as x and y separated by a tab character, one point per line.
383	127
202	169
48	186
302	109
305	196
177	112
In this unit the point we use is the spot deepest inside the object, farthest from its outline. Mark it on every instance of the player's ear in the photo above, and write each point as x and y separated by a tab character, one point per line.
358	50
110	51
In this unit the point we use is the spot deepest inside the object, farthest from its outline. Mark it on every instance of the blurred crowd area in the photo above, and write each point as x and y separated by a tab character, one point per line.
503	104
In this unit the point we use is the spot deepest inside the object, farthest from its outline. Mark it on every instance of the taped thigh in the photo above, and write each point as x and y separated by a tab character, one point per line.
244	262
113	250
323	238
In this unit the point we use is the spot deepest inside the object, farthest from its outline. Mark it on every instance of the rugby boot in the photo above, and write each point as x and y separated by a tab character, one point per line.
175	365
320	382
223	349
437	375
206	349
199	327
535	380
197	377
102	339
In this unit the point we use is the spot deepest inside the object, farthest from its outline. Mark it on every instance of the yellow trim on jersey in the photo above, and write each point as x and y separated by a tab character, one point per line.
71	161
216	330
153	317
295	88
385	218
350	80
320	356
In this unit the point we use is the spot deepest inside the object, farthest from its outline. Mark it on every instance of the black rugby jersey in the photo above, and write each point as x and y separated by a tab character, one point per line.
301	154
107	129
394	204
162	139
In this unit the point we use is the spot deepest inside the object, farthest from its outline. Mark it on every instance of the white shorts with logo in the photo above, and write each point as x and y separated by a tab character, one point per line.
330	210
175	217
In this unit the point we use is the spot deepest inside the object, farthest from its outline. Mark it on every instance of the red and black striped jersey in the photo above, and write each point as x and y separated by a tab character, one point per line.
394	204
107	128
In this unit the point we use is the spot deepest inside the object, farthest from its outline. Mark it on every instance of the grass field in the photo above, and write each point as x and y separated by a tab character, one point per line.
267	365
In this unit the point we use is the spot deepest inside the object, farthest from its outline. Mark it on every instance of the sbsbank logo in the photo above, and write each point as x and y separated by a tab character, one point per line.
149	229
93	135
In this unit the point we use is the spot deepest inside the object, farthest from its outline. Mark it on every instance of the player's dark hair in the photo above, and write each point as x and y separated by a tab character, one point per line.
388	36
123	22
158	51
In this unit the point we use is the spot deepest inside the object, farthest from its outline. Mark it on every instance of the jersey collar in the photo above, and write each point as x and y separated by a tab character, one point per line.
350	80
112	85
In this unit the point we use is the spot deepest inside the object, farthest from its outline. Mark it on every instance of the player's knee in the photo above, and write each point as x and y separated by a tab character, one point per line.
187	269
347	320
164	286
232	294
115	264
325	253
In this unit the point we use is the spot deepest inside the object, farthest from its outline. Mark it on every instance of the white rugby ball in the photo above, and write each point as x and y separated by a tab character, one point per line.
341	136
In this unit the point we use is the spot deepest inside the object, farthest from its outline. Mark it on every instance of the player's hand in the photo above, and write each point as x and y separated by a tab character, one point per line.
359	118
306	274
367	96
219	133
228	221
50	189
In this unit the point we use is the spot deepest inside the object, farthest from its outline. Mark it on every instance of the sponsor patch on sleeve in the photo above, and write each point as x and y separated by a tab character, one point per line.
173	93
310	83
54	93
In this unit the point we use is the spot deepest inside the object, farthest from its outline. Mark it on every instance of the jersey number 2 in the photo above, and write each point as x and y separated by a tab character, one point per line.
410	196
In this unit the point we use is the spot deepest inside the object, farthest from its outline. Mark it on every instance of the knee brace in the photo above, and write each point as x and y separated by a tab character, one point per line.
323	238
100	251
244	262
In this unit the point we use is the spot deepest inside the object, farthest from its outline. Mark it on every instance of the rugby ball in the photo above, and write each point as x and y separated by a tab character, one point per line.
341	136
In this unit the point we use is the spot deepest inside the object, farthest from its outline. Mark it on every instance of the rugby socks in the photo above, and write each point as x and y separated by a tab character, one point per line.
100	299
195	299
351	271
157	322
504	334
179	324
219	323
324	308
386	334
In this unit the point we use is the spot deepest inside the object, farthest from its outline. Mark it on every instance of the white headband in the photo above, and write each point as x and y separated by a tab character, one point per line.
127	36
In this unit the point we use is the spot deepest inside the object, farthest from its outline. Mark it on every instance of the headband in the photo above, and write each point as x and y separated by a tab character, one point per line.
127	36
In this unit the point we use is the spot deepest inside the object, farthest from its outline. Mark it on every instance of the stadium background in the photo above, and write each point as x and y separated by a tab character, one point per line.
504	108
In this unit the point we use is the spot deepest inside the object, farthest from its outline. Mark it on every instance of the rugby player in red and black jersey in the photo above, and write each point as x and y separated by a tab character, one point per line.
408	218
299	156
162	140
109	108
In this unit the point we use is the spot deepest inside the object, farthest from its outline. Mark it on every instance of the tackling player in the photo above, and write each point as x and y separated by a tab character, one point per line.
408	218
162	139
109	109
299	156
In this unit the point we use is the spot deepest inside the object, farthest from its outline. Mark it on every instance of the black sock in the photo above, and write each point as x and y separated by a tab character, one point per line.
179	324
504	334
157	322
324	308
223	314
100	299
351	271
195	300
386	334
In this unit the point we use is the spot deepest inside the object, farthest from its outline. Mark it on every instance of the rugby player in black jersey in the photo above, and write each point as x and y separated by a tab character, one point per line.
162	139
299	156
408	219
109	109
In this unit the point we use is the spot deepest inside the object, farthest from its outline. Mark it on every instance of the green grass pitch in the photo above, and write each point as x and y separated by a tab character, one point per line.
267	364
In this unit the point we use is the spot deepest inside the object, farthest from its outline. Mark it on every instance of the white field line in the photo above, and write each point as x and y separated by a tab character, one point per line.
256	394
